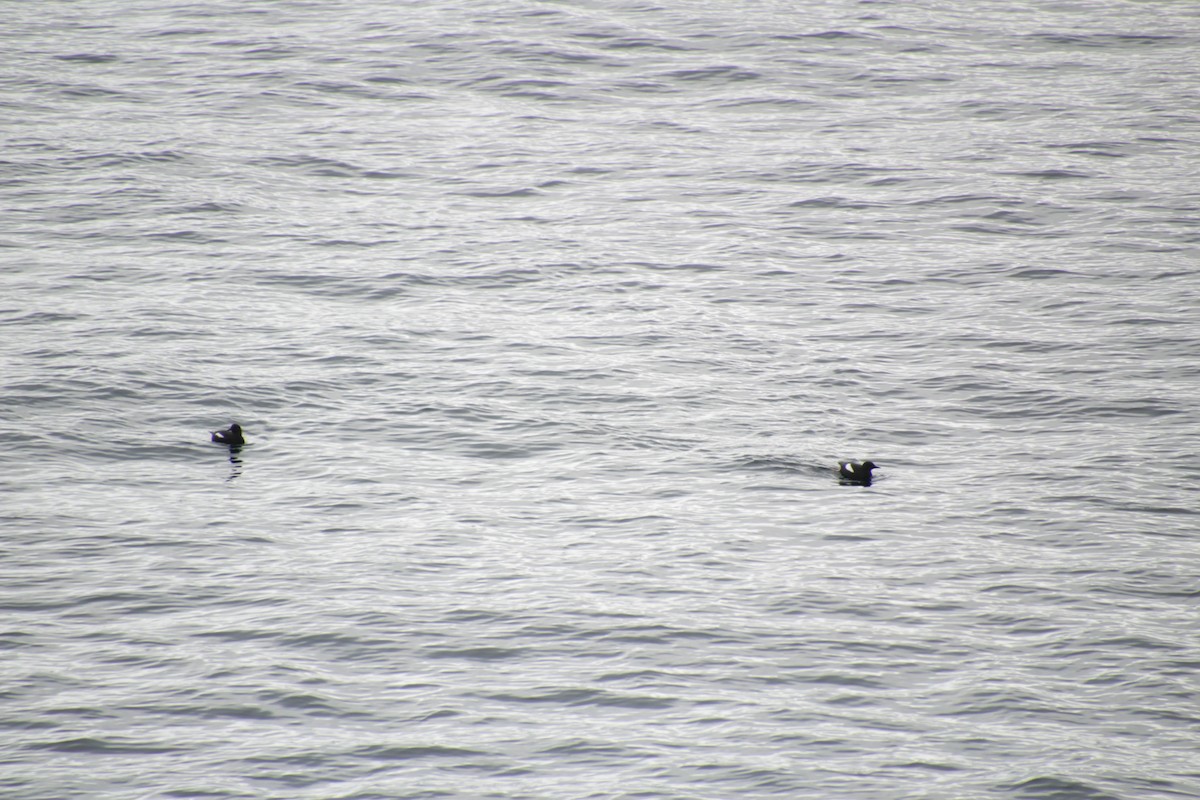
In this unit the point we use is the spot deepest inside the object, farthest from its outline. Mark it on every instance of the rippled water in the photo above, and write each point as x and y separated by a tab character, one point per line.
548	323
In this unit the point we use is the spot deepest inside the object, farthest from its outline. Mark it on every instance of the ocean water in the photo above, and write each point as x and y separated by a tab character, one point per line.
547	323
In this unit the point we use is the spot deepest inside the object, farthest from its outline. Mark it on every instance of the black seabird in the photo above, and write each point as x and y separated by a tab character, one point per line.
859	474
231	436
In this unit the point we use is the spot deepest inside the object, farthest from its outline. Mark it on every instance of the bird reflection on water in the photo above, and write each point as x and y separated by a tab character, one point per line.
235	462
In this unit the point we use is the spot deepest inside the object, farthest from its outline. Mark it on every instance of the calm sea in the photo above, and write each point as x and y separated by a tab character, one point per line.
547	323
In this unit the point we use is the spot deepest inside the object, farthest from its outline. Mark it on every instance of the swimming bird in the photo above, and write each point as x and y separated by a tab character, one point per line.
856	473
231	436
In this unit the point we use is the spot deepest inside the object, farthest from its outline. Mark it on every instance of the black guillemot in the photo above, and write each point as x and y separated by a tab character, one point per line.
856	473
231	436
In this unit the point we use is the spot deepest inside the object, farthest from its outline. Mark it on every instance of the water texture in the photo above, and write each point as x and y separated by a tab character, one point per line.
548	323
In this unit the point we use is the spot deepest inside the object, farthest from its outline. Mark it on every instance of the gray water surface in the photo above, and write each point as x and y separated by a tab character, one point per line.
548	323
